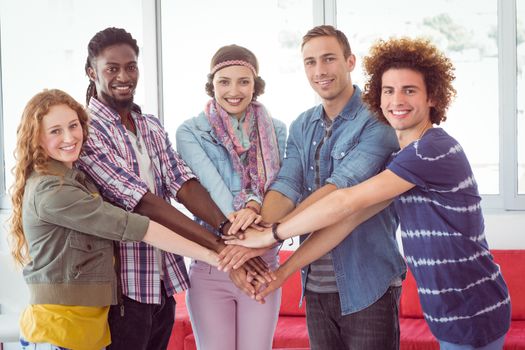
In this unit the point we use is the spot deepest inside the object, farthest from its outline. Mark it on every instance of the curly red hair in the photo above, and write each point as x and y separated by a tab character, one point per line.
416	54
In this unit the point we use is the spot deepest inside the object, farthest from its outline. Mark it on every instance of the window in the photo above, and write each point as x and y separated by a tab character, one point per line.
484	38
46	48
272	30
520	44
468	32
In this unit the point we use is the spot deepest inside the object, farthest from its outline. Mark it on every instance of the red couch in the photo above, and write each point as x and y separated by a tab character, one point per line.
415	334
291	332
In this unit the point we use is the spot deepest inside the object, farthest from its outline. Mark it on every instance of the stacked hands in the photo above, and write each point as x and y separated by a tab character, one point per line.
246	239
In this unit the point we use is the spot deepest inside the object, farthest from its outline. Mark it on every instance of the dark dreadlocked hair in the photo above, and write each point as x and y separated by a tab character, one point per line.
103	39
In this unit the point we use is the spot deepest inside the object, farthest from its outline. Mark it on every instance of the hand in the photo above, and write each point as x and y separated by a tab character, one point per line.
280	278
234	256
241	279
252	238
262	275
212	258
242	219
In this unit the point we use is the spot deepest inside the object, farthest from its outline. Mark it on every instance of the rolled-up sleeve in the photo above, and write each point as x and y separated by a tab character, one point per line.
290	179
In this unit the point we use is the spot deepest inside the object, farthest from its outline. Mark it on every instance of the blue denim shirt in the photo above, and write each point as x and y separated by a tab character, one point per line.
210	161
368	260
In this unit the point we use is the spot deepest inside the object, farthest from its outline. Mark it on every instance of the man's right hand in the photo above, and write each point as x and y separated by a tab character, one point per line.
242	281
281	276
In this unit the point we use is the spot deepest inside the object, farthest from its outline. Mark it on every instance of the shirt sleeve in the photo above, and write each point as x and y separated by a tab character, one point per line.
433	163
191	150
280	131
290	179
65	204
357	160
175	171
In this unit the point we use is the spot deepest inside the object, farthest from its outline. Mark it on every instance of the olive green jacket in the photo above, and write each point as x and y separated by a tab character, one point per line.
69	230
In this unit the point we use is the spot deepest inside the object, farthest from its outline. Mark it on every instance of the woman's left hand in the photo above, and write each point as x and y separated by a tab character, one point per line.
242	219
233	257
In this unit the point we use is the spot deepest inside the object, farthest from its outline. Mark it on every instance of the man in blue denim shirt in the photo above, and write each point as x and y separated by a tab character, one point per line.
353	292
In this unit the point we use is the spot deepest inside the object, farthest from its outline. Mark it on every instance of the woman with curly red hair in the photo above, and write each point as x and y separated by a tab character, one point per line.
62	231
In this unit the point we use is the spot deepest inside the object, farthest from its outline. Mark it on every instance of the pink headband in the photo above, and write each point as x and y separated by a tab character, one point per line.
232	63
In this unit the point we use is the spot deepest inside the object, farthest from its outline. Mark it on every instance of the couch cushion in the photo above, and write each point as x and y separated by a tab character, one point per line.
182	326
291	291
415	335
409	305
512	264
515	339
291	332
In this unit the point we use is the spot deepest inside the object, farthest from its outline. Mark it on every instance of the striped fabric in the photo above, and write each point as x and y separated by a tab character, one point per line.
463	294
321	274
108	157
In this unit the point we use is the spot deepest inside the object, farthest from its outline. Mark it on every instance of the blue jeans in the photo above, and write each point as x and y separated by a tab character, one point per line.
375	327
26	345
495	345
143	326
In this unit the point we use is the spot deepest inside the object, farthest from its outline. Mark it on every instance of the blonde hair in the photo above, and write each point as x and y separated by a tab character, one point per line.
30	156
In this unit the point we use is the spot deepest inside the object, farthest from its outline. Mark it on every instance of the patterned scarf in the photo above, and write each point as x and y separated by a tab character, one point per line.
263	153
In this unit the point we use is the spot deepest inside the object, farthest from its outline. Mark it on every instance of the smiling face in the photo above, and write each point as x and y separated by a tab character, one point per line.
115	75
327	70
404	101
61	134
233	89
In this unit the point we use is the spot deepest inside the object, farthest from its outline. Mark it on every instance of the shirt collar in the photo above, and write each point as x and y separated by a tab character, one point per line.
58	168
349	111
104	111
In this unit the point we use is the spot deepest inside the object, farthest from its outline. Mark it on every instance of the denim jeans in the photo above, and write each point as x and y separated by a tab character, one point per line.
495	345
143	326
375	327
26	345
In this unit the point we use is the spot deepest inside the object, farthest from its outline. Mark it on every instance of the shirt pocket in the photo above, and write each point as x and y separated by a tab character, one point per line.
341	150
91	258
213	148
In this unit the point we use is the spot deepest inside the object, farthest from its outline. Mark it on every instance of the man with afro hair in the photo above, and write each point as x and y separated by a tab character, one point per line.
464	298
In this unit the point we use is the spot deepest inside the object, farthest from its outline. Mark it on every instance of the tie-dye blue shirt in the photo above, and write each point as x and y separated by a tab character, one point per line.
463	295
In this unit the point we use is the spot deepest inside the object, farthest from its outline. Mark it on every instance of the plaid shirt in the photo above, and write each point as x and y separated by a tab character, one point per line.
109	158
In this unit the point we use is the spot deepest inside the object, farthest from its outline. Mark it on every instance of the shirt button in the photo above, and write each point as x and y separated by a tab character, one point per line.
89	247
314	143
311	168
342	154
309	188
134	160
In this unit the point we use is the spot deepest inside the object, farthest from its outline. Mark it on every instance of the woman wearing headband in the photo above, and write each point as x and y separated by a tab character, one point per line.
235	148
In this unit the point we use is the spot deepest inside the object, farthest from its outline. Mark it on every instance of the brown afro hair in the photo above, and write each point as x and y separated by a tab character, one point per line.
416	54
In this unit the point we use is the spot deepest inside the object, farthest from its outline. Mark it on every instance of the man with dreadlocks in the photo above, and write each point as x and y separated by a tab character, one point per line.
130	158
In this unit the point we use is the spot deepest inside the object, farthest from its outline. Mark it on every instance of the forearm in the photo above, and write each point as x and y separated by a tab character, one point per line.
321	242
275	206
323	213
161	237
198	201
314	197
159	210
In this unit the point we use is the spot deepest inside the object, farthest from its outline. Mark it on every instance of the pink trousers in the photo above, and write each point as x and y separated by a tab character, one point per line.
223	317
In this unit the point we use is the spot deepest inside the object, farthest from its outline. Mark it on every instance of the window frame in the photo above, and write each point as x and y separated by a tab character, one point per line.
325	12
4	203
508	108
